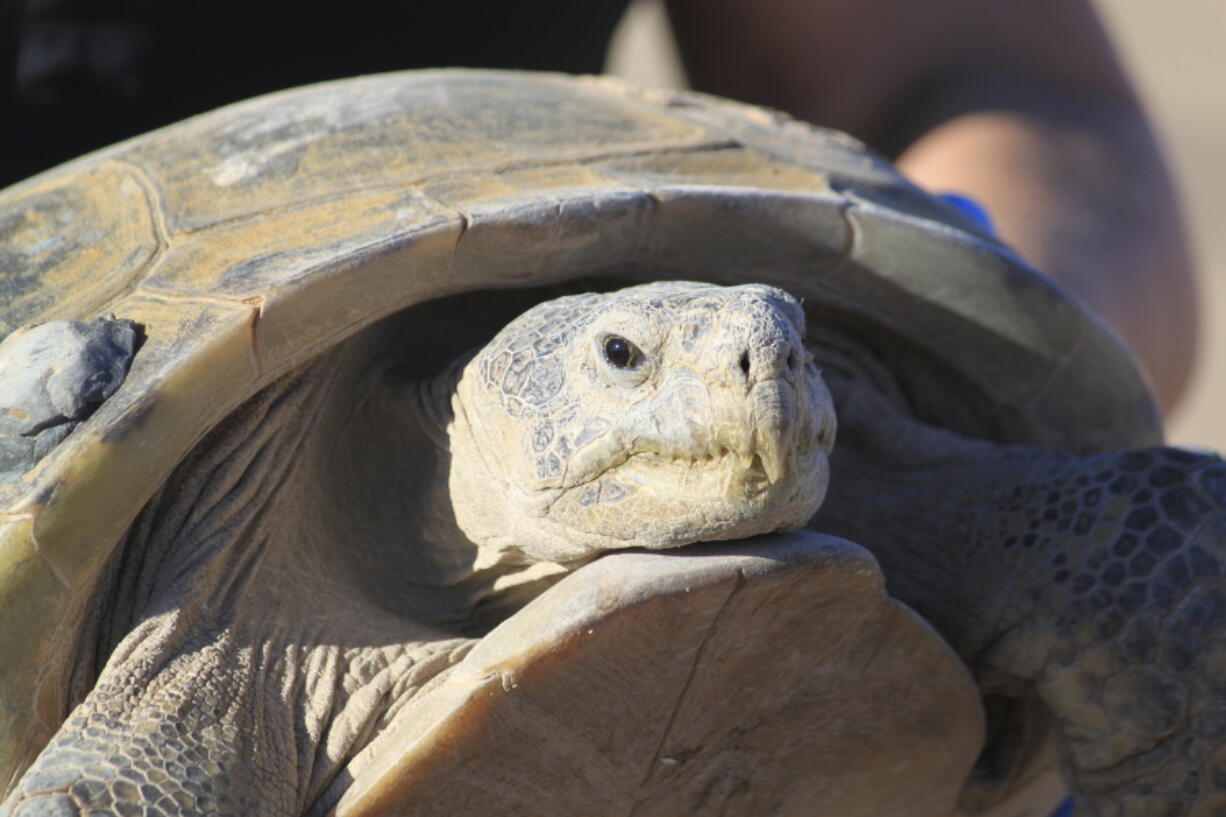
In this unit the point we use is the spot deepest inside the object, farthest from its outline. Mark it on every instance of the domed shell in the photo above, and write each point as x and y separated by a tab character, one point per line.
245	241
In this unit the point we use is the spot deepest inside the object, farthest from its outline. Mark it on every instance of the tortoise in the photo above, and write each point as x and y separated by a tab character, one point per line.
299	517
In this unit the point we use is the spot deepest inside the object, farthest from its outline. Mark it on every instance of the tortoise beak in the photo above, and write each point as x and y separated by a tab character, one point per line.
772	405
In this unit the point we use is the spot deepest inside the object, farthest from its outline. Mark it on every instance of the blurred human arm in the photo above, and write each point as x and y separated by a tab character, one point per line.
1023	106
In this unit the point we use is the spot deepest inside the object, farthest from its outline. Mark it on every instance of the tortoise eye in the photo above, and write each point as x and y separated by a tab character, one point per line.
621	353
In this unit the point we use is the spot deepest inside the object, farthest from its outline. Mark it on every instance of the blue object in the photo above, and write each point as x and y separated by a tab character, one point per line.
1065	809
979	214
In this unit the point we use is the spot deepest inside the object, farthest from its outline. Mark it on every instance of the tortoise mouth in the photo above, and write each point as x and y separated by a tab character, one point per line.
703	478
715	474
738	473
654	452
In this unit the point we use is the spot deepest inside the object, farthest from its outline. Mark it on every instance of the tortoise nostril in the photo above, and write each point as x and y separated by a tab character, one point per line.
792	361
745	363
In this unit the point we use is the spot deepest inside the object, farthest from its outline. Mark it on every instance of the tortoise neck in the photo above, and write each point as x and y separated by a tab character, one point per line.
943	531
432	399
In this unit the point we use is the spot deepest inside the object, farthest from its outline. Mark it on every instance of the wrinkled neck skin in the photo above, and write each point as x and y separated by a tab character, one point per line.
496	578
271	609
1093	582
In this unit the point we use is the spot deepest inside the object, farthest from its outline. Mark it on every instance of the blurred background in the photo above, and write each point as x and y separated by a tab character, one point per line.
1173	52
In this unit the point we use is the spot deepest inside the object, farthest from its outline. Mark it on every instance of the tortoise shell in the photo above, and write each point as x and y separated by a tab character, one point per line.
248	240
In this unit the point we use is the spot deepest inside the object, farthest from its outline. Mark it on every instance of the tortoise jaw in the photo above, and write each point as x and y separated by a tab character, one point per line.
715	473
729	458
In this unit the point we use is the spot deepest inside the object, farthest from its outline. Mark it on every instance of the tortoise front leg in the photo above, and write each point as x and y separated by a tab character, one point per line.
1098	580
248	723
1118	613
244	672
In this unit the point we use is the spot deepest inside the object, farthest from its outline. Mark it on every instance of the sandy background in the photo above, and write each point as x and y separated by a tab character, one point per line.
1173	50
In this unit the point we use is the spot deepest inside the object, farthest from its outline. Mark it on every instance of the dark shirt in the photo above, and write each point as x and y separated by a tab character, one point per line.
81	74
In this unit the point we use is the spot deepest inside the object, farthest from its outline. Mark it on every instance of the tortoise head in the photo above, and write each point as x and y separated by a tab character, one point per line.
654	417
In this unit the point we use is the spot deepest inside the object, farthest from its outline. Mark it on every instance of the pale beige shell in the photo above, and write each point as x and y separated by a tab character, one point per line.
248	240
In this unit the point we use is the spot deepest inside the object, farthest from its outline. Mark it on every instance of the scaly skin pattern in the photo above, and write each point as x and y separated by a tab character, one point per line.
1101	581
1129	552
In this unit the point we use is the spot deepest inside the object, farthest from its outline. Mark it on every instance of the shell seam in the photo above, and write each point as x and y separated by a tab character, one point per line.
492	168
55	570
157	219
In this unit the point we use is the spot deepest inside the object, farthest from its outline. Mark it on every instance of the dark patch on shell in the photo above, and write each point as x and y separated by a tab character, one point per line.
45	494
133	419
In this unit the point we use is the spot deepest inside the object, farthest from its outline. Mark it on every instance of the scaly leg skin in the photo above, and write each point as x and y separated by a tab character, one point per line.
210	703
1099	580
223	730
